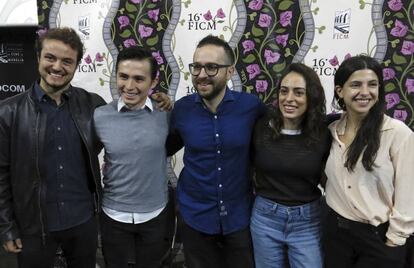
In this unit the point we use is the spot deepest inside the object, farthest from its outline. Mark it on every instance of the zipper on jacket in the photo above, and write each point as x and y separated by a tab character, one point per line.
96	203
39	177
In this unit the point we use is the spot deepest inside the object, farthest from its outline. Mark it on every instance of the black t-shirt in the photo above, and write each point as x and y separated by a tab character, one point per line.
288	170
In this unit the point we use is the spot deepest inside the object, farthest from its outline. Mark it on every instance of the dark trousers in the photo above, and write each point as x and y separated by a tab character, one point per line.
78	244
218	251
358	245
140	245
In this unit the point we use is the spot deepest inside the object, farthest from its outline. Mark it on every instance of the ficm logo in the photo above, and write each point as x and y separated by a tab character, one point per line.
84	26
85	1
342	24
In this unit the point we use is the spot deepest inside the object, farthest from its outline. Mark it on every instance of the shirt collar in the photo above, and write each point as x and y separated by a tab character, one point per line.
40	94
122	107
339	126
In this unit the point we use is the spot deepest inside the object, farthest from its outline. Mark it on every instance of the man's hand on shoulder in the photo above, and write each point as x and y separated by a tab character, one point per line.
164	103
13	246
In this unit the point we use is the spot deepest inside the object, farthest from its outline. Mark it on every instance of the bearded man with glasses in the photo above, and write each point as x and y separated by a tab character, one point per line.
214	189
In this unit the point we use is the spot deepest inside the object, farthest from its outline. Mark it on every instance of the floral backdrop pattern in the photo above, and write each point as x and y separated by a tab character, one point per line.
273	34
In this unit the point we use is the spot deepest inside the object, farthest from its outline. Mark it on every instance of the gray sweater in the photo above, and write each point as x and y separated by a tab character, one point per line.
134	176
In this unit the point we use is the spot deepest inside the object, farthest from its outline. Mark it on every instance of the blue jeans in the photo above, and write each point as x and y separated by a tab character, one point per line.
280	231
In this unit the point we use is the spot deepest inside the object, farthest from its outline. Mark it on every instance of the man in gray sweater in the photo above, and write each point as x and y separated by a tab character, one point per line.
135	194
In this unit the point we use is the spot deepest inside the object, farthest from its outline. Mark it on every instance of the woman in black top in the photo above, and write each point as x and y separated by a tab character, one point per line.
291	145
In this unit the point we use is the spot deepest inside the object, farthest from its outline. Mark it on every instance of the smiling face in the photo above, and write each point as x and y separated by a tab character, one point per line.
134	82
57	65
360	92
211	87
292	100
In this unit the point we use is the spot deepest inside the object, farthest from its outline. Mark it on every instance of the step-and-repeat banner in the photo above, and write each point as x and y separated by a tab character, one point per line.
267	36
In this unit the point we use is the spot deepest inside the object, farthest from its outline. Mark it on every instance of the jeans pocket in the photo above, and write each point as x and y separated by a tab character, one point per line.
263	206
312	211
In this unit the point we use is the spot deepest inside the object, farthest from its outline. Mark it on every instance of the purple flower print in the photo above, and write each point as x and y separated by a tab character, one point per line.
99	57
207	16
136	1
256	4
253	70
264	20
388	73
220	14
88	59
409	84
334	61
395	5
248	45
158	57
392	99
261	86
153	14
407	47
270	56
347	56
400	115
282	39
129	42
400	29
285	18
123	21
144	31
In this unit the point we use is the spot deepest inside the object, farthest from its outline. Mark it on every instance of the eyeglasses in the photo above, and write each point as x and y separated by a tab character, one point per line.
211	69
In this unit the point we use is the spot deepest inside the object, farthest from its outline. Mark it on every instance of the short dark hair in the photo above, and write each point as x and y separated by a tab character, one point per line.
66	35
367	138
138	53
216	41
313	122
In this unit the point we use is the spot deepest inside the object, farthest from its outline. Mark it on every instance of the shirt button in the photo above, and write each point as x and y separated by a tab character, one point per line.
60	167
60	148
61	185
215	117
58	128
219	169
62	203
217	135
349	187
220	185
221	201
218	151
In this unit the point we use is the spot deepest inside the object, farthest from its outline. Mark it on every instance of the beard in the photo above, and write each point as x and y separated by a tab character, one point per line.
217	87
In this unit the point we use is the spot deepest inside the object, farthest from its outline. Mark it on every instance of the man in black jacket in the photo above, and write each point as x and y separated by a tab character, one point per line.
49	170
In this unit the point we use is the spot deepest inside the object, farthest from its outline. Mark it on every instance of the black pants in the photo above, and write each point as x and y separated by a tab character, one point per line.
218	251
135	245
78	244
358	245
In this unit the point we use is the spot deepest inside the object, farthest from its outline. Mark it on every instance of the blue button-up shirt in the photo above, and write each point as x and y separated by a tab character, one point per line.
69	202
214	189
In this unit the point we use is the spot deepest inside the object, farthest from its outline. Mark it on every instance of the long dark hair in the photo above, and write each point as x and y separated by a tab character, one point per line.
367	138
313	121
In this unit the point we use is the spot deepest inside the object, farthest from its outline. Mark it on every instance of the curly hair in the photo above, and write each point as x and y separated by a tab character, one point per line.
367	138
314	119
66	35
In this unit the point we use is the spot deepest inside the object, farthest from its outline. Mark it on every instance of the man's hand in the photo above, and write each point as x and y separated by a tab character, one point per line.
13	246
163	101
390	244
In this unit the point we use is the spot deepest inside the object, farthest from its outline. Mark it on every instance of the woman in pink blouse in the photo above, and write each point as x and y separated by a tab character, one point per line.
370	170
